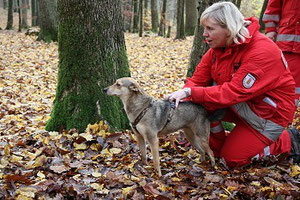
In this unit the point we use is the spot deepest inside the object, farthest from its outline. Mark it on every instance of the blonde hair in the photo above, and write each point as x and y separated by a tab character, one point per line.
228	16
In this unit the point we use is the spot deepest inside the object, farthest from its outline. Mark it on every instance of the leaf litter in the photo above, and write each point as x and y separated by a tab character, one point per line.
99	164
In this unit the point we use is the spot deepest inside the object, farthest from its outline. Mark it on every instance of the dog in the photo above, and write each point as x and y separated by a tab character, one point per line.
151	118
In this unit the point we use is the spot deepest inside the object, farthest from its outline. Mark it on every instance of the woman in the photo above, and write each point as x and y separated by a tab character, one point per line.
246	72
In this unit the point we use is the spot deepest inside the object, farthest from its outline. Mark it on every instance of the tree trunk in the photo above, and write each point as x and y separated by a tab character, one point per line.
24	7
162	26
34	13
141	28
10	19
48	20
20	16
92	55
154	16
261	23
199	45
15	6
4	4
135	17
191	17
180	20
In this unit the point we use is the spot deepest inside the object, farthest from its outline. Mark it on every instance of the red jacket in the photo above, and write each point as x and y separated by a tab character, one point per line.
283	17
251	78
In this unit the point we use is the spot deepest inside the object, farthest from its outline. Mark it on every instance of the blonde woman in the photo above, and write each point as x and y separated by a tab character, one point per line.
245	72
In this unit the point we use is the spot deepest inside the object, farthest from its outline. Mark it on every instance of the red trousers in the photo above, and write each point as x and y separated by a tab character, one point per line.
293	60
244	143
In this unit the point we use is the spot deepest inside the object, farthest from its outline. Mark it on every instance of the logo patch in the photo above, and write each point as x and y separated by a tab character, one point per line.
248	81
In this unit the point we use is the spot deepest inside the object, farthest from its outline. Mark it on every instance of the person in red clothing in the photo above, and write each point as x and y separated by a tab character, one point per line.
282	21
247	73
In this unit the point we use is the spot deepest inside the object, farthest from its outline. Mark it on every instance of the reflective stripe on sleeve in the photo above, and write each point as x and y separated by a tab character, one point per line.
267	151
268	17
288	38
266	127
270	25
270	102
297	90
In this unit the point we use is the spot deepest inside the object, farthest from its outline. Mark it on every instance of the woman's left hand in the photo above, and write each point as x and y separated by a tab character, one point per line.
179	95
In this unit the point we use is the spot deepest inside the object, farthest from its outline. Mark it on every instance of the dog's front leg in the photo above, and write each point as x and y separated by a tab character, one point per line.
142	146
154	145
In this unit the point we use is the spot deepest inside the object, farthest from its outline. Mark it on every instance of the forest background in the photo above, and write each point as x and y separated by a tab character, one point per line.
99	163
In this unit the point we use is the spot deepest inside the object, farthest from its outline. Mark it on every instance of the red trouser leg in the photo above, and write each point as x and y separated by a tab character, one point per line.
245	143
293	60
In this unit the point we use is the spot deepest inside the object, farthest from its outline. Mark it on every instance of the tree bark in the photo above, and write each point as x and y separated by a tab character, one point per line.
191	17
92	55
135	17
141	18
162	26
199	45
154	16
48	20
261	23
10	19
34	13
4	4
24	7
20	16
180	34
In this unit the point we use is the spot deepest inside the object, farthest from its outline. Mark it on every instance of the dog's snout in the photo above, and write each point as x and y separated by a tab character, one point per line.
105	90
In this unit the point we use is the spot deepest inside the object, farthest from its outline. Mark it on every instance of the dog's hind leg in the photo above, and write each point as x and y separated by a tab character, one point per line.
142	146
191	137
154	145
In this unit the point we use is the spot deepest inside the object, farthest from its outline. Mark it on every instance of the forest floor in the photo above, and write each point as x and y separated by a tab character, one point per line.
98	164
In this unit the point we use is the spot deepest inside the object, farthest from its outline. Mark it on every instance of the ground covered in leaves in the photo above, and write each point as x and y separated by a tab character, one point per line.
98	164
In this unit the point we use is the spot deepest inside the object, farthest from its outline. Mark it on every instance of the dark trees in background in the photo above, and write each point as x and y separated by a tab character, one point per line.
237	3
10	19
162	25
20	15
24	8
34	13
180	34
191	17
47	20
141	18
154	16
199	45
5	4
92	55
261	23
135	27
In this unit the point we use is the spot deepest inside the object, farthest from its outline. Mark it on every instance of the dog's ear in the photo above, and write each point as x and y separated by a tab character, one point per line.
136	88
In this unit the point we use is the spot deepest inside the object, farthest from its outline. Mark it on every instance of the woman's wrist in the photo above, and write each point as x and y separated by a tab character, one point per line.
187	91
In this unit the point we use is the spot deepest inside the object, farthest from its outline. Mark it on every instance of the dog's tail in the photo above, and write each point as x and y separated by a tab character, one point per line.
217	115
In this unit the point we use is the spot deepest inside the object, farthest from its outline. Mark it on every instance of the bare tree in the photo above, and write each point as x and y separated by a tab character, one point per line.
48	20
190	17
10	19
141	14
154	16
162	26
180	34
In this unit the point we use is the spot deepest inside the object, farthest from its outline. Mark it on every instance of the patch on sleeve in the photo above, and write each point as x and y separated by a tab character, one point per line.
248	81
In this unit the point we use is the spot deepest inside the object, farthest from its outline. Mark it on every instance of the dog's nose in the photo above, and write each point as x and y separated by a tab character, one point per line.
105	90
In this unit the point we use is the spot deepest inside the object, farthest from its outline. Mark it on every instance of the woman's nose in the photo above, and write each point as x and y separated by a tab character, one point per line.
205	34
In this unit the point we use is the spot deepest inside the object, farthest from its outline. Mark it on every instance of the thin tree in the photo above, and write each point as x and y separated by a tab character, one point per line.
10	19
4	4
141	18
162	26
135	17
190	17
24	8
199	46
92	55
20	16
180	33
48	20
34	13
261	23
154	16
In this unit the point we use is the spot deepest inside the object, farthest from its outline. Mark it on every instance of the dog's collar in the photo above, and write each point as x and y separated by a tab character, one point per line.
141	115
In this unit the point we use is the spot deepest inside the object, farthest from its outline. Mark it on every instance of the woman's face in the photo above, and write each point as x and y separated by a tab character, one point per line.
215	35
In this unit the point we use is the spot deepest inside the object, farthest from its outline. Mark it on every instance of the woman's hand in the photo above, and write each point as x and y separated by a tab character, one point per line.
179	95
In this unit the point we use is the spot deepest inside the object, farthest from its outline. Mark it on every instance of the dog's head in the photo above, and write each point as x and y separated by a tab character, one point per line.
124	87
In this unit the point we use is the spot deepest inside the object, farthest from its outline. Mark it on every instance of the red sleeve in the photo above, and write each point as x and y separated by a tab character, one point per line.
202	74
255	76
272	15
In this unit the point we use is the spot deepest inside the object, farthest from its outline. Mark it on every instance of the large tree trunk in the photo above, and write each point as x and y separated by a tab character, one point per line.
141	18
199	46
92	55
162	26
154	16
191	17
261	23
10	19
180	34
48	20
24	8
34	13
